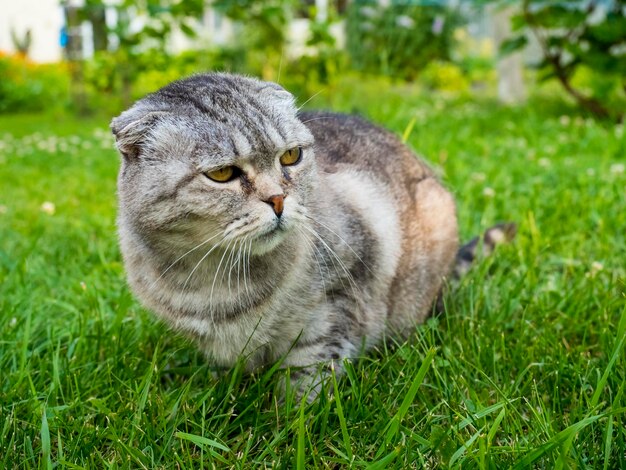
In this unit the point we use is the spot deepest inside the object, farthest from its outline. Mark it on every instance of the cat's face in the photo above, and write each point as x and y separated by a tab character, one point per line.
216	159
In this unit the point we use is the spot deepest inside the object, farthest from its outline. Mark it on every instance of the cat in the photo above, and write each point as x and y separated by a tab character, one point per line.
271	234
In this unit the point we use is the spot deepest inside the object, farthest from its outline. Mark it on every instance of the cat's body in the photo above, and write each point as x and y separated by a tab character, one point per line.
312	259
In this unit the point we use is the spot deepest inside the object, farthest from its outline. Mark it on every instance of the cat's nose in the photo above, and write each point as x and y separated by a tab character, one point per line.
277	203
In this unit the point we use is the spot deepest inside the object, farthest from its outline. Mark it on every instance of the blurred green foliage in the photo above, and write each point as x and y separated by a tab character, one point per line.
425	44
262	31
444	76
400	40
26	86
119	70
583	46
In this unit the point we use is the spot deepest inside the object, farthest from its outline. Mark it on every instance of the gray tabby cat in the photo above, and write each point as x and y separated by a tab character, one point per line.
268	233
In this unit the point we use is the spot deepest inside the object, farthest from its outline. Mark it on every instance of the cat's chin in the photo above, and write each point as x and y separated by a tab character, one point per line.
269	241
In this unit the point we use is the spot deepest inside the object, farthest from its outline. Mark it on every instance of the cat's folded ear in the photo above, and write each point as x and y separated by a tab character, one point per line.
276	91
132	127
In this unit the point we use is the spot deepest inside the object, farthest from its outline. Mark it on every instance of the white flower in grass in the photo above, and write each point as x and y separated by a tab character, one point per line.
551	285
100	132
478	176
83	286
544	162
619	131
591	171
48	207
565	120
489	192
404	21
13	322
617	168
596	267
368	12
617	50
3	209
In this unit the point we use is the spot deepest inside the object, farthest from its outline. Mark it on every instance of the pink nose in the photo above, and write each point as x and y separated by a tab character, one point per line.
277	203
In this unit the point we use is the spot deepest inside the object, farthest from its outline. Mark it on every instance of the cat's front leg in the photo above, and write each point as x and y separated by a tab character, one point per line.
312	364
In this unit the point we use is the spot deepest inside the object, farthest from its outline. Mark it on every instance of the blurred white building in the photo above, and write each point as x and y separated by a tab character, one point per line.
44	20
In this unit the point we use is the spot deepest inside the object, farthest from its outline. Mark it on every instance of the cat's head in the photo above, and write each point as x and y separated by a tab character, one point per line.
214	157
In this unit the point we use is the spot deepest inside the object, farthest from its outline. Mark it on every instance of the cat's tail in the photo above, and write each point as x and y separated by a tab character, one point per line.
476	249
482	246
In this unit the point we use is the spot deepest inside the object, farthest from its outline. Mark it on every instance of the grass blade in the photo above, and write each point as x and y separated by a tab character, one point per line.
494	427
342	419
45	440
408	130
383	463
300	451
205	443
461	450
556	440
479	414
620	338
394	425
608	440
202	441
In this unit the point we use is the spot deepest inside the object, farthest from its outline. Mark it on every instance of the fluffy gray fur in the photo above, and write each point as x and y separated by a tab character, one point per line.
365	240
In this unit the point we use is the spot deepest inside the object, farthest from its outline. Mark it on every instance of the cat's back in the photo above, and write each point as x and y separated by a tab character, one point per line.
407	217
350	143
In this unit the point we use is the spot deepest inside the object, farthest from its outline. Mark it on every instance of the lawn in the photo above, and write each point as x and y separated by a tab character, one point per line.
525	369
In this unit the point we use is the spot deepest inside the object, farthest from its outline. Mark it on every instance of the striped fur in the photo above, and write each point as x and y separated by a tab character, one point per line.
366	237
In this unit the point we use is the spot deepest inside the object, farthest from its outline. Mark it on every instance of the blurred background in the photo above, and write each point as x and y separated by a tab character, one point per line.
98	56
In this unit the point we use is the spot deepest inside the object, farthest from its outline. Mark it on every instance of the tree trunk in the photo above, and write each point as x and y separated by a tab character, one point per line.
510	69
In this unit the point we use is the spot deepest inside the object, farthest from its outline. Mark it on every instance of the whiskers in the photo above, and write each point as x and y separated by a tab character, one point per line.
220	277
227	256
235	258
318	118
180	258
342	271
312	96
343	240
236	243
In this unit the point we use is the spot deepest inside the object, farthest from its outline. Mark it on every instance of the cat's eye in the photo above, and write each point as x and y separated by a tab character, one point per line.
222	175
291	157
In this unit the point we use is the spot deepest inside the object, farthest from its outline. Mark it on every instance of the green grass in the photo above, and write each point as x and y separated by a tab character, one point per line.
526	369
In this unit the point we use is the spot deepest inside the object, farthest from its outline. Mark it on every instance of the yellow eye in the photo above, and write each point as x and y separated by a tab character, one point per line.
223	174
291	157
